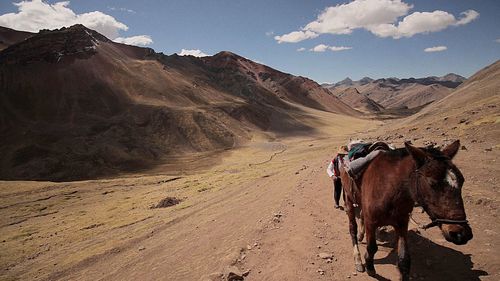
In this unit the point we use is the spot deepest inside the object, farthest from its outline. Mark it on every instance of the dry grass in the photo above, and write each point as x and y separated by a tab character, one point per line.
49	227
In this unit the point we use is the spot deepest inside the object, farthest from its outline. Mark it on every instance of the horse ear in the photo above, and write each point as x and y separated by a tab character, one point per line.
417	154
452	149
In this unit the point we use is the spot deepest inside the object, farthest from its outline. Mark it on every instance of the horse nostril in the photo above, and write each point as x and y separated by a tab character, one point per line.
458	235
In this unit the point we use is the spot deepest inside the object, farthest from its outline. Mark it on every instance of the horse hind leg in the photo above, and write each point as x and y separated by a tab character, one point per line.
362	226
353	229
371	249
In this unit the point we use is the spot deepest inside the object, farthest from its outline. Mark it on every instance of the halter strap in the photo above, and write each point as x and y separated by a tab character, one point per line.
435	221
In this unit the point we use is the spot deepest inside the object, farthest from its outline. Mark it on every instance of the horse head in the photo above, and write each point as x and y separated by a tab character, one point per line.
437	187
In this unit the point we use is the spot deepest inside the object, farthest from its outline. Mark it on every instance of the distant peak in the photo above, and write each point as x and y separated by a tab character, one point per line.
52	46
77	27
452	77
76	31
226	54
365	80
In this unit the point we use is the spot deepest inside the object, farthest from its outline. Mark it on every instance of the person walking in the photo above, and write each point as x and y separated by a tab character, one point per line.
334	173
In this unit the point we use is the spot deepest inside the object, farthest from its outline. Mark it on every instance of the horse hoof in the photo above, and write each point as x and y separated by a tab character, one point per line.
360	268
371	272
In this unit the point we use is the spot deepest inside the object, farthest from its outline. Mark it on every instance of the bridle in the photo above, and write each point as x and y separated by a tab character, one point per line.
434	221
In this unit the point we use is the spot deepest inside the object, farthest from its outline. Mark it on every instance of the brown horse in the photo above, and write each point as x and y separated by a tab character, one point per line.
388	189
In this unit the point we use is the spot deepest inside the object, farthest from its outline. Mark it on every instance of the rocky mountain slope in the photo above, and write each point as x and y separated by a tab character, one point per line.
348	82
10	36
359	101
471	113
76	105
472	108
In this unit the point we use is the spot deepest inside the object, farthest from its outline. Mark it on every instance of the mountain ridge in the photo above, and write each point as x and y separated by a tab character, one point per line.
80	106
402	92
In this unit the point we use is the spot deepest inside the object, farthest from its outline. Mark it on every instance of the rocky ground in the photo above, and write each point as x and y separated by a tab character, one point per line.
262	212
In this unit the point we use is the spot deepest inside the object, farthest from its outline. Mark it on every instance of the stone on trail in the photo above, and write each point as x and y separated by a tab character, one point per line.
167	202
232	273
325	256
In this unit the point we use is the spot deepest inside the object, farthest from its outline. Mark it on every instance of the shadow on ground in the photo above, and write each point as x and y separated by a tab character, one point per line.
431	261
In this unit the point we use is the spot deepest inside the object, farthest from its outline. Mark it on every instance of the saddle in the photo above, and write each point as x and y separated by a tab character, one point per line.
358	158
361	154
360	150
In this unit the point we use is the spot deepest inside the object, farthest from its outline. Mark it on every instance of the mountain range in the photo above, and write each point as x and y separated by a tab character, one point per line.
76	105
394	92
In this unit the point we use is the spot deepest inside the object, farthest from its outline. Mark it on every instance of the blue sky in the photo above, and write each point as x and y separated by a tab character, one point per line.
249	28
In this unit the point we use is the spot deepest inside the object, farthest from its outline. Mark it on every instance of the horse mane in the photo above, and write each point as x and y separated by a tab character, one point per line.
402	152
435	152
398	152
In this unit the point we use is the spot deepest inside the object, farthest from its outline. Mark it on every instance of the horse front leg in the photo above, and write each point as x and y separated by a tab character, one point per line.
353	229
404	260
371	249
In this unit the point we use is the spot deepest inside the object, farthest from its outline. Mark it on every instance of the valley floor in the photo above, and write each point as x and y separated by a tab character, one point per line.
266	207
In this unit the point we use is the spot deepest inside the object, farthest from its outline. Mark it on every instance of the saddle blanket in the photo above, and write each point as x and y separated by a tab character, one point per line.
356	167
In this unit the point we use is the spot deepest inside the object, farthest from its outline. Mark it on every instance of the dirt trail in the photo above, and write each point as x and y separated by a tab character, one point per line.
272	219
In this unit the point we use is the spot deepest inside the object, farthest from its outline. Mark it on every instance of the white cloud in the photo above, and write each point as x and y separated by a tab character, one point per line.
295	36
435	49
498	40
140	40
468	16
195	53
319	48
105	24
301	49
342	19
36	15
341	48
322	47
421	22
425	22
269	33
121	9
381	17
